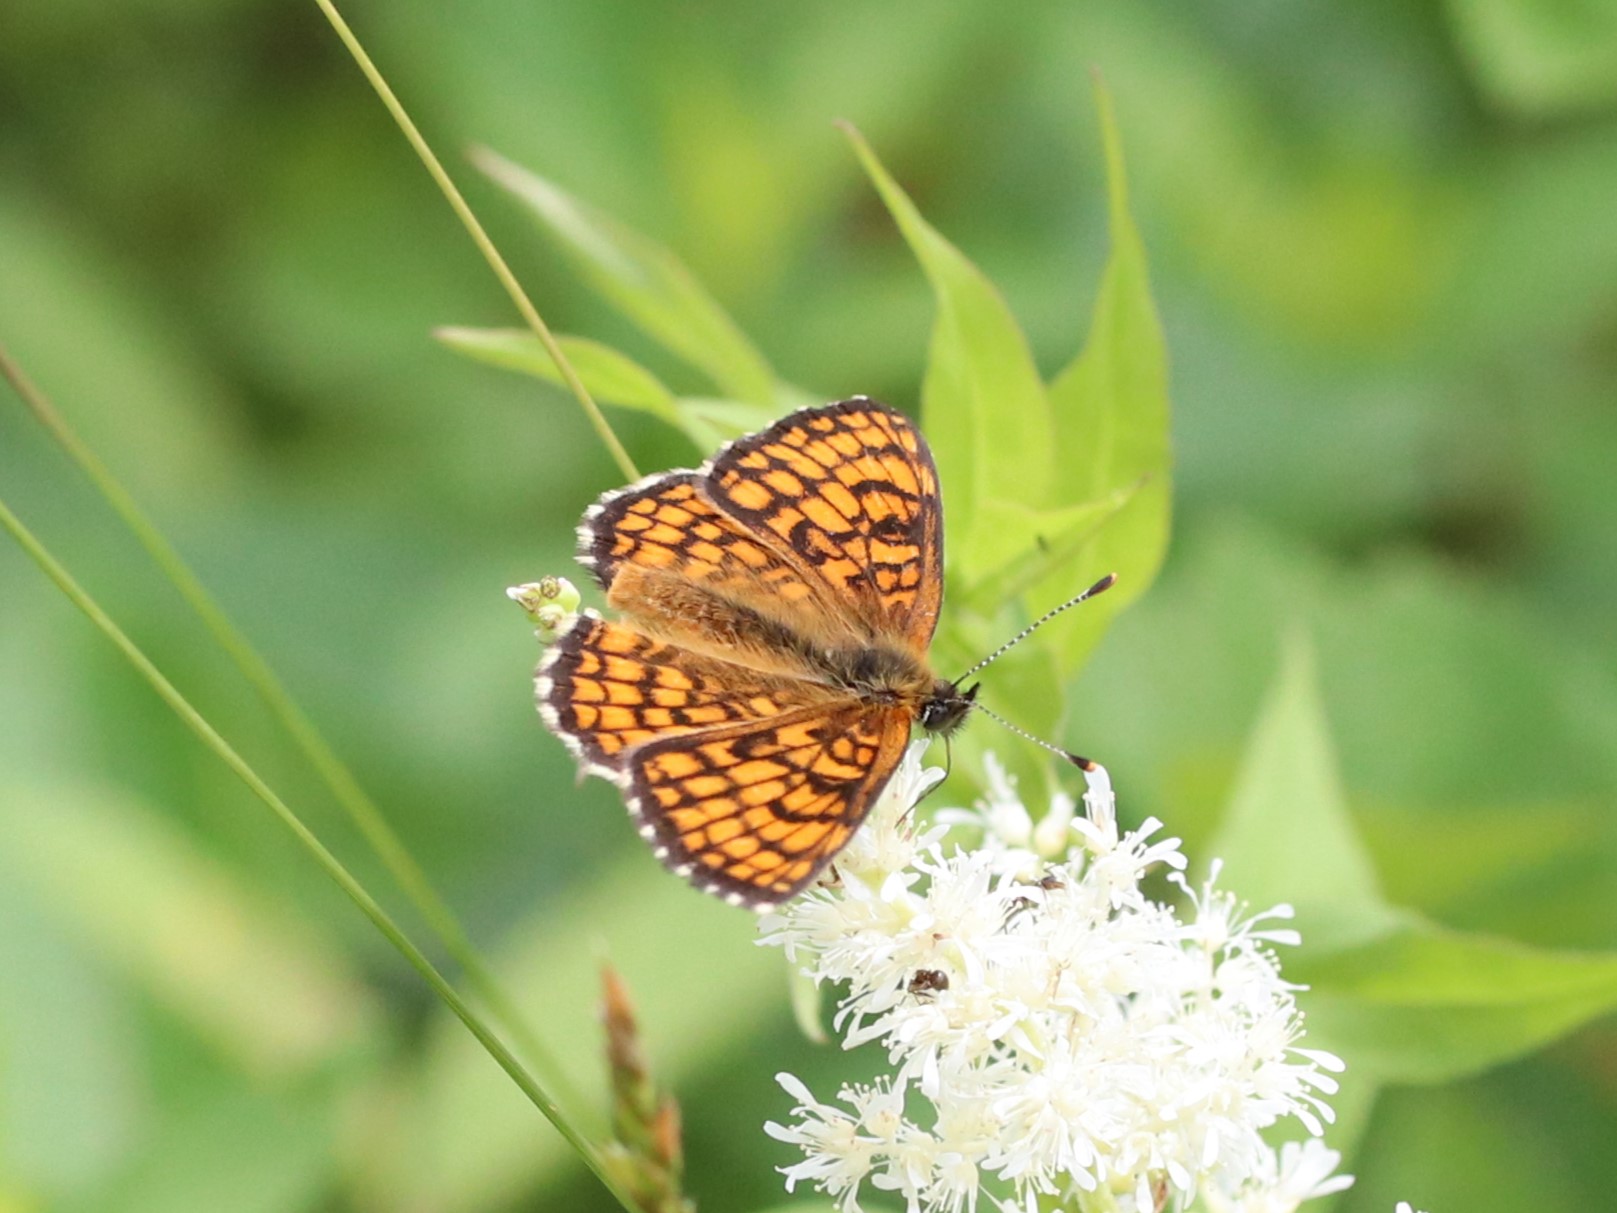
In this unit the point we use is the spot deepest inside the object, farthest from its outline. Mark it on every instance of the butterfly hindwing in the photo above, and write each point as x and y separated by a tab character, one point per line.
754	812
605	687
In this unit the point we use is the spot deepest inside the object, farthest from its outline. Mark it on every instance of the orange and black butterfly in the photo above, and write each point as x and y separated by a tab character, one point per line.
771	663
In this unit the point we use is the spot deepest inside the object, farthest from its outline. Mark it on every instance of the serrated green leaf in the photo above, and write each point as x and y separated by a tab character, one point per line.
1422	1003
611	377
1287	836
982	403
1110	409
644	281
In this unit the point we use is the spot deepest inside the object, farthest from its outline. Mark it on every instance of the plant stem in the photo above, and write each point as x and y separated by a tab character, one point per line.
361	809
332	866
480	238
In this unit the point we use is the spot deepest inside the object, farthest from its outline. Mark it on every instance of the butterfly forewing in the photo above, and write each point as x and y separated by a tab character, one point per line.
668	525
851	490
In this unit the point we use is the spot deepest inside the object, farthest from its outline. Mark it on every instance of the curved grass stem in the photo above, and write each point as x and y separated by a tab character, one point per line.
480	238
361	809
332	866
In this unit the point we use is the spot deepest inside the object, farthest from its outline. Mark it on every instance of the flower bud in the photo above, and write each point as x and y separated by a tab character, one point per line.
551	603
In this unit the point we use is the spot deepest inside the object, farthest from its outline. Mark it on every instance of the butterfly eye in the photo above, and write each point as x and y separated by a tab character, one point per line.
946	710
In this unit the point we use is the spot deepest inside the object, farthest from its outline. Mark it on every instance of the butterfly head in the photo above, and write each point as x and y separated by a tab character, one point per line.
945	709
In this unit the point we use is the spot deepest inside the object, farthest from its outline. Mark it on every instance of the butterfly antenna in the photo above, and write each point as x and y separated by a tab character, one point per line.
1105	583
1083	764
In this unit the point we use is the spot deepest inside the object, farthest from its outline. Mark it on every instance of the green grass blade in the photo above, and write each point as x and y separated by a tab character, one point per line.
643	280
361	809
328	862
485	246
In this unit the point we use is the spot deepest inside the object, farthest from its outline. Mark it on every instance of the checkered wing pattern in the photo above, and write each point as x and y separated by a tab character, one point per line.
747	764
754	812
606	687
668	525
849	490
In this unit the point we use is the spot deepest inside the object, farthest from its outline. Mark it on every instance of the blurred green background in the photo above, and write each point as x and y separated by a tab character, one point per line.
1384	244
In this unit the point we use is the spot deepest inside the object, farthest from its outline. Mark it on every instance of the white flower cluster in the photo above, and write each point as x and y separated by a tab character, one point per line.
1052	1031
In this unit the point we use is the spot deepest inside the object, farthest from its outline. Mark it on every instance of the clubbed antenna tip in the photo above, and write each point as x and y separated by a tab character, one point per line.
1104	584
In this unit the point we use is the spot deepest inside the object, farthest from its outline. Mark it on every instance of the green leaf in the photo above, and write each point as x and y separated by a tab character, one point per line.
1110	410
1422	1003
1059	535
983	404
611	377
1541	56
644	281
1287	836
1390	991
712	423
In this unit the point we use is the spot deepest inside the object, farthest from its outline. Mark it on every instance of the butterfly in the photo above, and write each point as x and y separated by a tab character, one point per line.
771	662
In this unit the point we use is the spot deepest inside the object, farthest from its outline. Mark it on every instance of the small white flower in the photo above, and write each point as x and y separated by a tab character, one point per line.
1070	1034
1300	1172
1403	1207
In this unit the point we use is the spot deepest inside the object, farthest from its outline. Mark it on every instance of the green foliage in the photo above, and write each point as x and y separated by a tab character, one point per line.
1542	56
1039	481
611	377
983	406
1382	250
1405	999
1419	1003
645	282
1110	410
1286	836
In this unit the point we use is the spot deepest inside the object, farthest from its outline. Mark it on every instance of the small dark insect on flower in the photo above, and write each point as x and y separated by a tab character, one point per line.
1049	883
928	981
